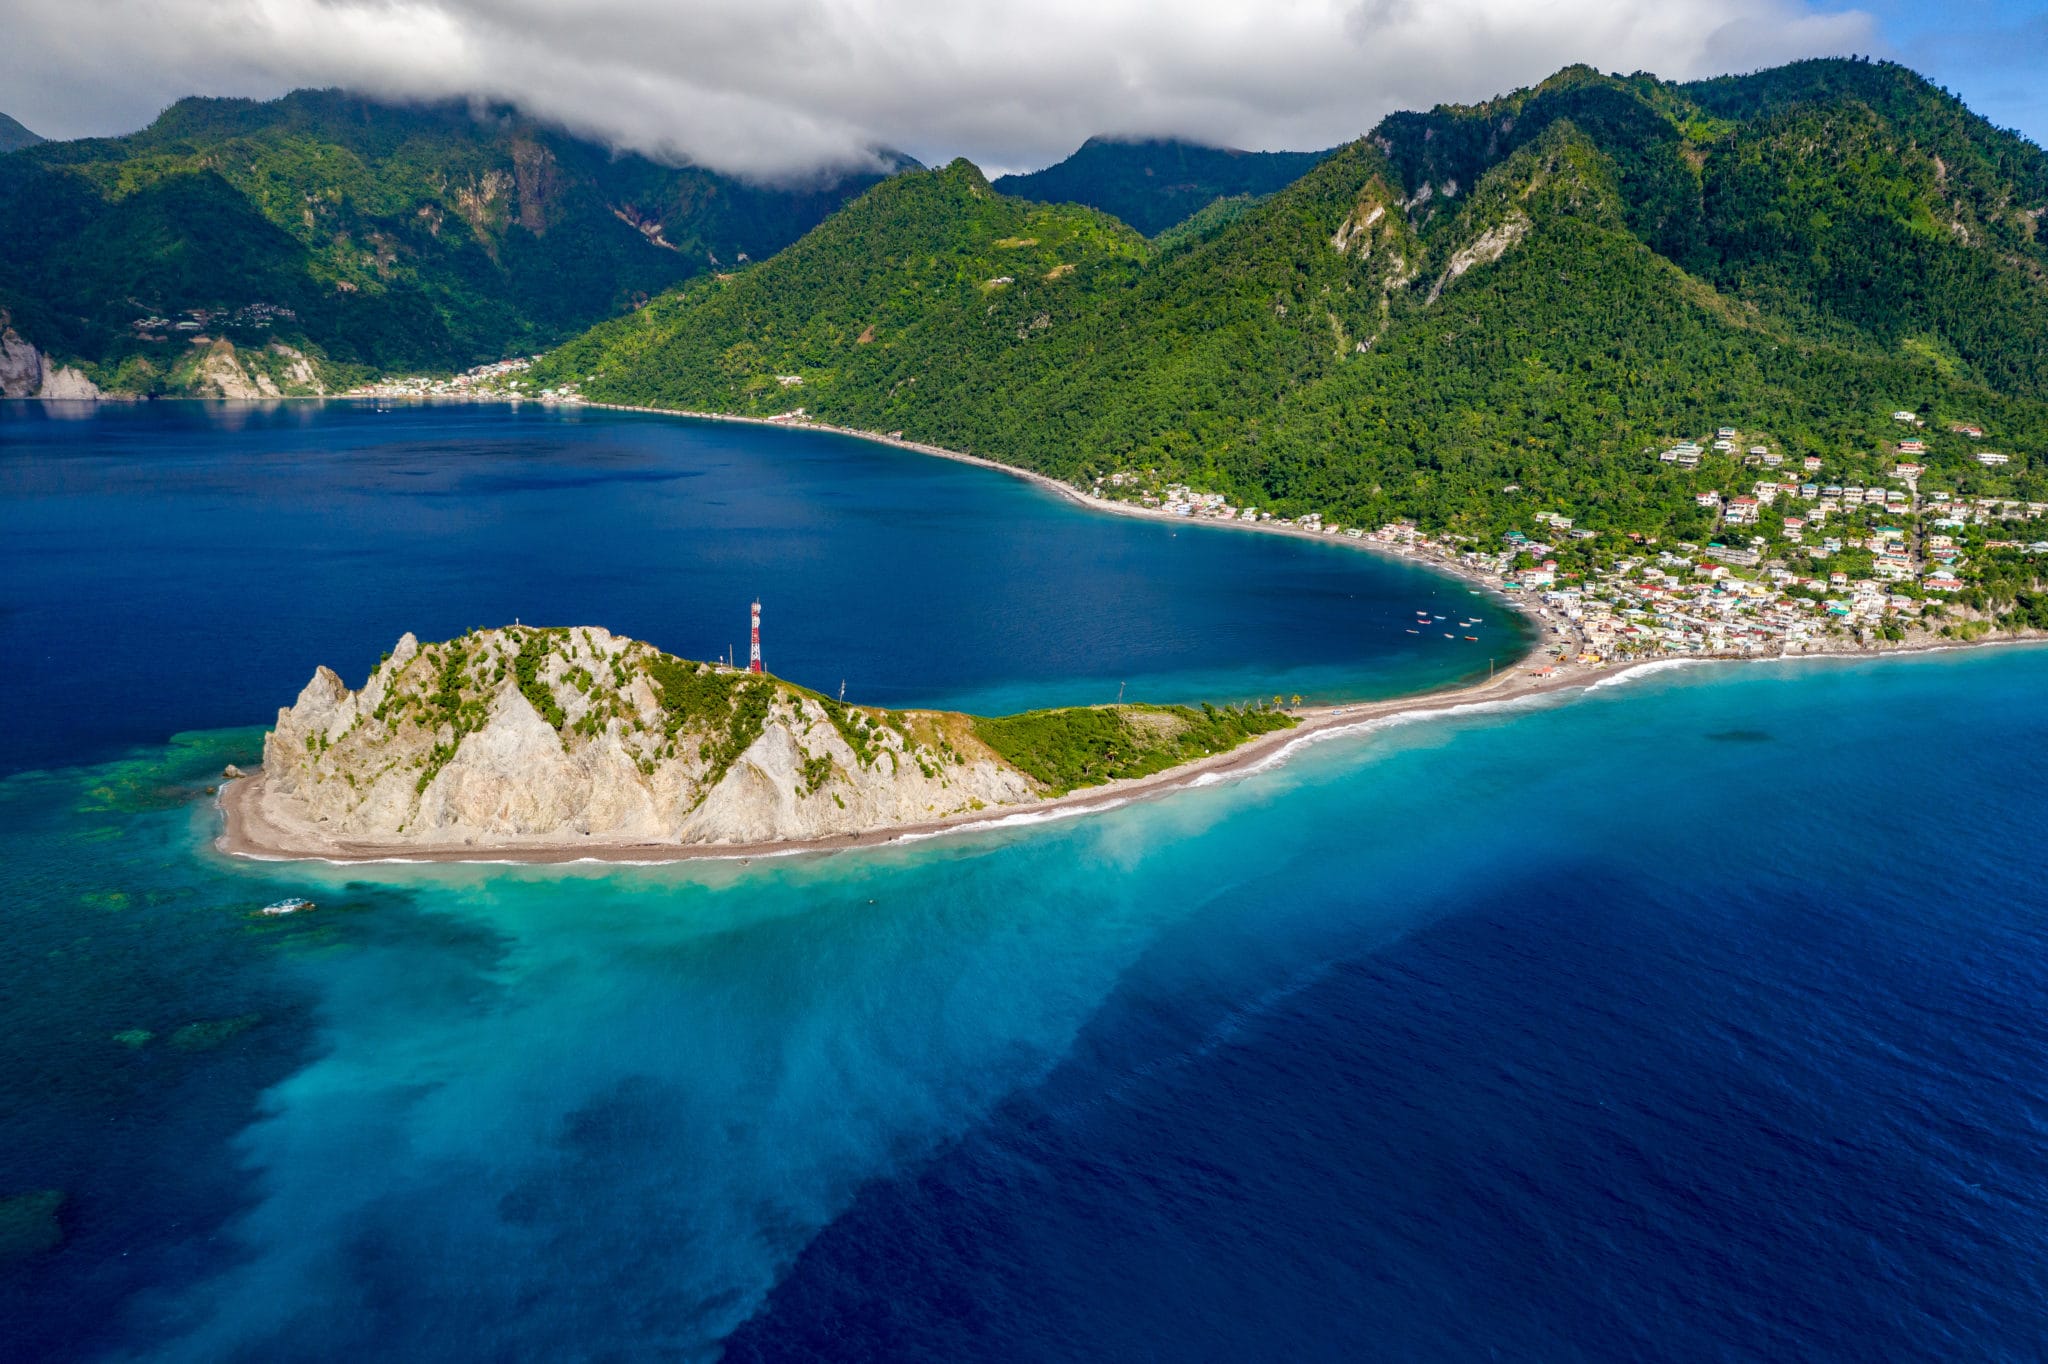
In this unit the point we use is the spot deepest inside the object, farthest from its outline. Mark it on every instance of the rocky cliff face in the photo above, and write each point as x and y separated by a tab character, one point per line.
227	372
24	373
523	737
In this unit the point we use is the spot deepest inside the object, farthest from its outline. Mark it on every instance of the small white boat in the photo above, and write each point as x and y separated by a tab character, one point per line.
291	906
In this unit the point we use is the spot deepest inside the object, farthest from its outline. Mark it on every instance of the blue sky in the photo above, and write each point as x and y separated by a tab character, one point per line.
1992	53
778	88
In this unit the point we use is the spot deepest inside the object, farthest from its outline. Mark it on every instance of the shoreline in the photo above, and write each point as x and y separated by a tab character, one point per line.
1069	493
1526	677
246	835
1066	491
242	833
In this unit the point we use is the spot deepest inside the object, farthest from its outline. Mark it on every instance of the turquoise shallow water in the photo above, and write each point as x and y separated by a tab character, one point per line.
1697	1018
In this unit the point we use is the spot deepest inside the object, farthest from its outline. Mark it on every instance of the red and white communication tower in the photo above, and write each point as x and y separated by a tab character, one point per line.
754	649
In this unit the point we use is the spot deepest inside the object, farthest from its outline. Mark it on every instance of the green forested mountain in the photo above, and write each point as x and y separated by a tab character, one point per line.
1529	294
1154	184
377	236
13	136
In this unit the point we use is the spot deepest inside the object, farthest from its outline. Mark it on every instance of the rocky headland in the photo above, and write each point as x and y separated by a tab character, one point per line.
550	742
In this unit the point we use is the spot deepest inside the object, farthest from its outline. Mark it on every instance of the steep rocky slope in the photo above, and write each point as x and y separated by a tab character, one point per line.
26	373
543	737
555	739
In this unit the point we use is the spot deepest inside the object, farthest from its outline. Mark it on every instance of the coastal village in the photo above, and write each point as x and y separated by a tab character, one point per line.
497	380
1806	556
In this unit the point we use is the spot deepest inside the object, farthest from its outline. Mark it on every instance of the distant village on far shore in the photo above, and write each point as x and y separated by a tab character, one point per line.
1798	563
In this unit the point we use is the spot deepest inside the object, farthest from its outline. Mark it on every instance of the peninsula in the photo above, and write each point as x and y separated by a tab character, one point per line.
550	744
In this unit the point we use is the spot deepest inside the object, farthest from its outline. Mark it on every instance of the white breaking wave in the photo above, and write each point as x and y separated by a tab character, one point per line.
1645	669
1401	717
1022	819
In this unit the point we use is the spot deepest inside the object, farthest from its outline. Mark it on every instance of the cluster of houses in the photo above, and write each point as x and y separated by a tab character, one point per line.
1721	598
193	322
1686	601
1177	499
1767	591
496	380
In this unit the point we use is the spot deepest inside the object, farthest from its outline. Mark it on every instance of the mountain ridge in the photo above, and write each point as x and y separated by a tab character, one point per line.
1524	294
369	235
1156	183
13	136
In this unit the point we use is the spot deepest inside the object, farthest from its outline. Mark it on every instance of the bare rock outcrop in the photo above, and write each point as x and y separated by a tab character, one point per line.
1487	248
67	381
21	365
525	738
221	376
299	375
26	373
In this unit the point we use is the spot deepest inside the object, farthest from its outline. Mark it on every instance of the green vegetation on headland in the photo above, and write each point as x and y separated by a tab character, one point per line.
1087	746
1153	184
575	739
1470	317
438	695
368	236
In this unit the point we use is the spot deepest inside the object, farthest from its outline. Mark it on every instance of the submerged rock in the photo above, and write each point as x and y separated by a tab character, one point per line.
29	1224
211	1033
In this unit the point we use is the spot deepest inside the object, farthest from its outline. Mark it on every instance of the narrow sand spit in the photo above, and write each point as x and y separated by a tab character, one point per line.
248	834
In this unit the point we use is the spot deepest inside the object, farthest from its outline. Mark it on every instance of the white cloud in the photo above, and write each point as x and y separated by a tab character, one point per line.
776	87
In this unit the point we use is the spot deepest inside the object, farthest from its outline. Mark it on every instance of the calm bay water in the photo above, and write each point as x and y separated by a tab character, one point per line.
1698	1018
185	566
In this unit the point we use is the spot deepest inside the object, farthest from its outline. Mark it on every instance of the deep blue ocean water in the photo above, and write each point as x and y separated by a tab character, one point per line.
185	565
1696	1018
